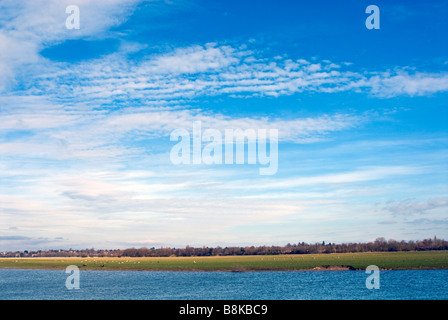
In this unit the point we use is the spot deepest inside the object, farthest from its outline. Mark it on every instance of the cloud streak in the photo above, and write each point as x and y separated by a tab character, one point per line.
412	206
213	70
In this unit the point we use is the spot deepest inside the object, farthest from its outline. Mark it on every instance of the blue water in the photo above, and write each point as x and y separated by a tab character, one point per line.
277	285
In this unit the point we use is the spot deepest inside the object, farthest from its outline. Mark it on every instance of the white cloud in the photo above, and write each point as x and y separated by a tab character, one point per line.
213	70
337	179
29	26
195	59
406	84
412	206
74	134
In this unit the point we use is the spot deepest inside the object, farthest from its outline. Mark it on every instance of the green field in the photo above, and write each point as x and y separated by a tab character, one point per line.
334	261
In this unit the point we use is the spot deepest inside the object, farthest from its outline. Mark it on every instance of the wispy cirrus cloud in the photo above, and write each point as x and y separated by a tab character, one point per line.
72	135
14	238
28	26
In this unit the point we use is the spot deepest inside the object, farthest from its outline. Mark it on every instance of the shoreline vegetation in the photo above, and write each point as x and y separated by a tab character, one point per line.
427	254
379	245
386	255
400	260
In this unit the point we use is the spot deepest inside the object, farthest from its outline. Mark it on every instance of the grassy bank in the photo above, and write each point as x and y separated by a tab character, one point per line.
336	261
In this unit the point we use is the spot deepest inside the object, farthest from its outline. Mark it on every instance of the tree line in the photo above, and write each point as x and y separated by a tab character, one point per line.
379	245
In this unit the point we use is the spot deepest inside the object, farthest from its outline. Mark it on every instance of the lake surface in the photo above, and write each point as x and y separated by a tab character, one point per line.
272	285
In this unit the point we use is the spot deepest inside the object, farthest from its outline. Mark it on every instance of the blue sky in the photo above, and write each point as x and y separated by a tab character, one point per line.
86	117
